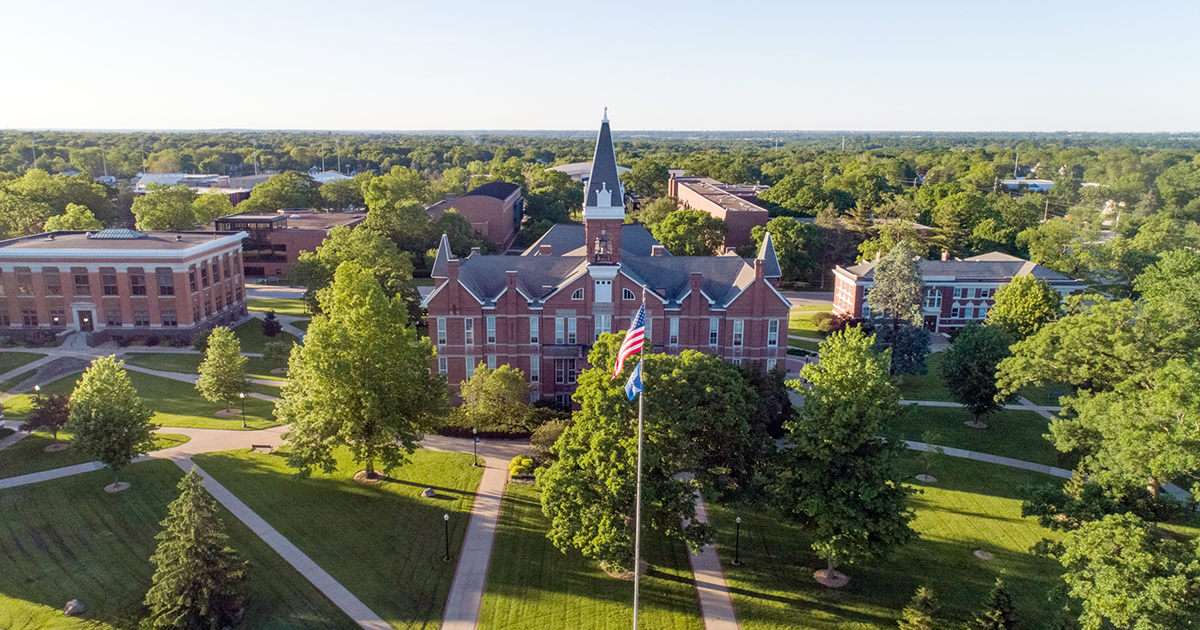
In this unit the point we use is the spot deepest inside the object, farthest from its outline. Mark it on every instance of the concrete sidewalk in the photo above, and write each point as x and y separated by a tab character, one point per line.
716	606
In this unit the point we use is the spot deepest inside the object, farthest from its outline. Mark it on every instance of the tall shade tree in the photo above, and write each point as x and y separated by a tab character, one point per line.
198	577
210	206
969	368
1127	575
223	371
1172	285
697	420
361	380
283	190
166	208
109	422
795	243
690	233
367	249
495	400
1024	306
20	216
841	474
77	217
896	295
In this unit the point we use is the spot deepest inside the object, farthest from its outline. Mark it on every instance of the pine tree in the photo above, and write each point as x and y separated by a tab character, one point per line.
198	577
271	325
898	283
110	422
918	615
223	372
997	613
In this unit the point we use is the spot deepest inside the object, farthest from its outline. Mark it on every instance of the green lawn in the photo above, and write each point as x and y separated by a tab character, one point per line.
930	386
29	455
68	539
282	306
256	367
383	542
531	584
423	282
807	345
17	407
971	507
14	360
302	324
800	322
1016	434
250	334
178	404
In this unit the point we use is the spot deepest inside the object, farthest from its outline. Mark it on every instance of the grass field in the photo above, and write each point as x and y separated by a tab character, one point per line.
383	542
971	507
250	334
256	367
29	456
178	404
807	345
302	324
282	306
14	360
1010	433
531	584
930	386
68	539
800	321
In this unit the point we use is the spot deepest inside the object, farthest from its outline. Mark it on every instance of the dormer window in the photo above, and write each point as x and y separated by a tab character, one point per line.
578	294
628	295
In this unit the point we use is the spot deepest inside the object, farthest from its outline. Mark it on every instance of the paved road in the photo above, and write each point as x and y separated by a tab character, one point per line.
809	298
274	291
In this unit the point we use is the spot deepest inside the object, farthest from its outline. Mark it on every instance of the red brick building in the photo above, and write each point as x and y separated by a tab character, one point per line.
541	311
275	239
957	292
121	282
494	209
732	204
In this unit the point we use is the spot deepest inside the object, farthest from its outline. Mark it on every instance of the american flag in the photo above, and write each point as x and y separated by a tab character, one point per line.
633	339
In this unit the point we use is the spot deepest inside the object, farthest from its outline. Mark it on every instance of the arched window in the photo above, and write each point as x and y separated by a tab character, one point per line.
578	294
628	295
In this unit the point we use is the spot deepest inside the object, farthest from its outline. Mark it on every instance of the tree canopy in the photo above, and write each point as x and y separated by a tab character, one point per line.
795	244
1024	305
223	371
690	233
107	419
283	190
76	217
896	294
169	208
366	248
969	368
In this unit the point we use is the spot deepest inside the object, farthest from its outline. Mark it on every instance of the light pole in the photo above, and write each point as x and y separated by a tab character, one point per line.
737	543
446	518
475	445
242	395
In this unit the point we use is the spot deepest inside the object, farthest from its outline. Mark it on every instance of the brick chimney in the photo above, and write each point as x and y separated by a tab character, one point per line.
760	269
657	251
878	255
510	279
945	255
452	269
544	250
695	282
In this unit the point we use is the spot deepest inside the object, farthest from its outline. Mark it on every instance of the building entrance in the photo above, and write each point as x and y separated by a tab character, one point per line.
931	323
85	321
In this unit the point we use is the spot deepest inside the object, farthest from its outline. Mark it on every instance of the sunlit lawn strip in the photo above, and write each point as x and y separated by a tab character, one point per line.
29	454
282	306
256	367
14	360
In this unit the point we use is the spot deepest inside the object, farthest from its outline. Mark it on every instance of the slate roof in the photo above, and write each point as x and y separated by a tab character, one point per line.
565	240
497	190
991	266
604	171
767	253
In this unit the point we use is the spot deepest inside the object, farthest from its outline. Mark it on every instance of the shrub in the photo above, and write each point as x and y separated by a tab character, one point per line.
152	341
271	326
200	341
5	432
277	351
122	341
827	322
546	435
180	341
520	466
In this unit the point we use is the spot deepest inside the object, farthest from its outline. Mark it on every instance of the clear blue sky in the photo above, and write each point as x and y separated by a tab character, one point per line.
532	64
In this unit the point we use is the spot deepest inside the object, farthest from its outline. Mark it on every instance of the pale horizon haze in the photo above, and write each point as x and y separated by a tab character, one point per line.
536	65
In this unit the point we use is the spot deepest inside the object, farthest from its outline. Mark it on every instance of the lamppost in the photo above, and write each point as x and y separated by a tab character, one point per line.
242	395
475	444
737	543
446	518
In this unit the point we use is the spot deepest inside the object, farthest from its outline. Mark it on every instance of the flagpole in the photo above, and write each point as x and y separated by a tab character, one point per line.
637	513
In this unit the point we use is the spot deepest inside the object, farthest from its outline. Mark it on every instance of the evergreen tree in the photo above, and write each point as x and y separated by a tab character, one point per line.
271	325
110	422
969	368
896	295
918	615
49	413
223	371
198	577
997	613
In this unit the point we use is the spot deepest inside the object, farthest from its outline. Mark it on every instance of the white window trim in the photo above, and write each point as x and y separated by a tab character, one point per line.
739	332
441	331
578	294
534	330
773	333
468	331
491	329
673	335
470	362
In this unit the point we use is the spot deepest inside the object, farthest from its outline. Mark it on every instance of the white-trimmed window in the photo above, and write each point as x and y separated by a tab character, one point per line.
772	333
533	330
739	331
737	360
673	338
441	331
603	325
559	330
954	310
958	292
626	294
534	396
468	331
564	371
491	361
535	369
714	331
603	291
771	364
933	298
470	366
443	365
578	294
866	310
491	329
983	310
571	330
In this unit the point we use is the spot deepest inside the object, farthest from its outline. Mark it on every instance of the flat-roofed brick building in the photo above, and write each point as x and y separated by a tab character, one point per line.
275	239
732	203
121	282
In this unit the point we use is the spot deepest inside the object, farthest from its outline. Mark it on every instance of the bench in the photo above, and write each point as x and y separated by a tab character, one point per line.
266	447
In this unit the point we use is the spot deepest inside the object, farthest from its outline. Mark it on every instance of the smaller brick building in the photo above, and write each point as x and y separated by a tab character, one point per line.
121	282
494	209
275	239
732	204
957	292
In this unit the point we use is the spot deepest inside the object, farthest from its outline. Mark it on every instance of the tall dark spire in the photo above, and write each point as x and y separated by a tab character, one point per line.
604	186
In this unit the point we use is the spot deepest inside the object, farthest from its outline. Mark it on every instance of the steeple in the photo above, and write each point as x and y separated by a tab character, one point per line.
604	198
767	254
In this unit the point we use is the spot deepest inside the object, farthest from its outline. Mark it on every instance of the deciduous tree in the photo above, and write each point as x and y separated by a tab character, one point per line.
366	248
969	368
284	190
794	242
1024	306
223	371
109	422
77	217
50	413
166	208
495	400
690	233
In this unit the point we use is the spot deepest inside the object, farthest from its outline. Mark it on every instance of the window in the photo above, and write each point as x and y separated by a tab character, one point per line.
52	279
468	331
628	295
978	293
24	281
983	311
491	329
739	329
2	284
204	276
216	269
443	365
108	280
954	312
958	292
491	360
558	330
535	369
534	396
137	281
673	339
933	298
229	298
562	400
225	266
771	364
603	324
772	333
714	326
192	277
564	371
533	330
220	302
4	320
195	314
441	332
578	294
29	317
470	366
141	318
571	330
604	291
58	317
81	284
169	318
238	293
866	310
737	360
112	317
207	309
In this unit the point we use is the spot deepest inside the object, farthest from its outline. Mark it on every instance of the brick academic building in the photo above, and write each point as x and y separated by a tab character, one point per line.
121	282
541	311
